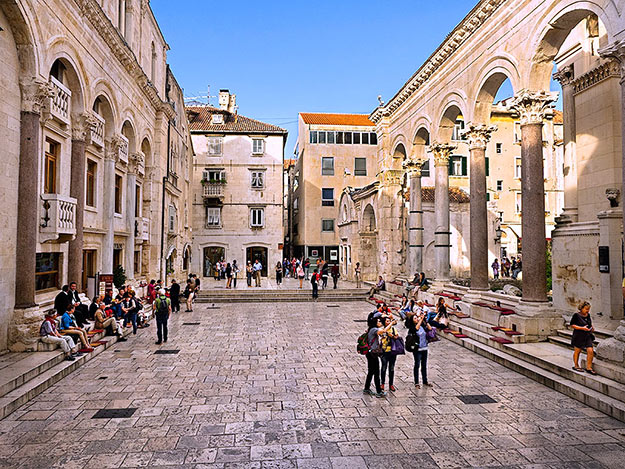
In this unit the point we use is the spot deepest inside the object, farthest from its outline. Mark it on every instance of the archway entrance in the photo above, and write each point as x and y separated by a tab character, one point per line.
260	253
212	254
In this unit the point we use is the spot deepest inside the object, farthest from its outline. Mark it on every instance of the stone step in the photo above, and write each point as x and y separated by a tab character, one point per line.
278	295
25	366
613	407
599	335
484	328
565	341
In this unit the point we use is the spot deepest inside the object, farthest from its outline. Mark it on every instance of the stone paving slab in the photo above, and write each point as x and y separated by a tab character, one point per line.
279	385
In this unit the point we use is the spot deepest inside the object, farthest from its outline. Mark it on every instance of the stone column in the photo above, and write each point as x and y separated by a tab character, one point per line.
80	131
131	195
442	235
531	106
108	215
34	95
478	136
415	217
566	77
388	224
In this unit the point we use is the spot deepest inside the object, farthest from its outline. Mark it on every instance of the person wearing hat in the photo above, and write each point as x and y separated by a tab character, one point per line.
49	335
162	308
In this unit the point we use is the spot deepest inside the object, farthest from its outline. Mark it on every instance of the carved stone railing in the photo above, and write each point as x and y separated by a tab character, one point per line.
60	102
123	149
142	228
57	218
213	190
97	131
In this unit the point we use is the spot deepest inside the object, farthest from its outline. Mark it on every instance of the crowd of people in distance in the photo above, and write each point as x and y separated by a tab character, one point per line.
508	268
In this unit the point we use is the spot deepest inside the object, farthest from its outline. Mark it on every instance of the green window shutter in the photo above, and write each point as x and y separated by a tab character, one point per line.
487	196
451	166
487	167
464	166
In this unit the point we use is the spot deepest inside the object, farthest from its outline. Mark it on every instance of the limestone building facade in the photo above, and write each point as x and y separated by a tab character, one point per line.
88	129
238	206
333	151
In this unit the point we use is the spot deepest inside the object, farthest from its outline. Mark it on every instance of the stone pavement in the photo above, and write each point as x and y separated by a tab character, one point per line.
270	284
280	386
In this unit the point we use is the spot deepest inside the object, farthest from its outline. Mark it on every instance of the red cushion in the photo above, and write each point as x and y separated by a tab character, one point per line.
512	333
496	328
461	336
501	340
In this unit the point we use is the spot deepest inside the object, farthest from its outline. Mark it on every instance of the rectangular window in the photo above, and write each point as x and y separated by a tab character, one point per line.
356	138
322	137
517	168
313	136
499	185
327	197
257	217
327	166
118	193
373	138
215	145
518	206
487	196
425	170
347	138
458	130
213	217
50	166
360	166
365	138
296	204
517	132
47	271
258	179
339	138
327	225
258	146
330	138
172	218
498	148
137	262
137	200
214	175
90	183
487	164
458	165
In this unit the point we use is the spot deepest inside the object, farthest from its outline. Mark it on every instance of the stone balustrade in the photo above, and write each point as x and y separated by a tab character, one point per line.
142	229
213	190
60	102
123	149
58	218
97	131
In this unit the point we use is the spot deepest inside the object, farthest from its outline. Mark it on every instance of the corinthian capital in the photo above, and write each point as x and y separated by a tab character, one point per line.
565	75
82	126
478	135
533	105
35	95
441	152
615	51
413	166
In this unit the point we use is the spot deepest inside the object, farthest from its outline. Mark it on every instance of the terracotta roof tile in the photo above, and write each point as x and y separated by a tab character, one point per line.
456	195
200	120
558	117
288	163
336	119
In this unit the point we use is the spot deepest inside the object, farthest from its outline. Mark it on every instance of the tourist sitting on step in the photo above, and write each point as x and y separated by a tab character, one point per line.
49	335
378	287
67	326
112	327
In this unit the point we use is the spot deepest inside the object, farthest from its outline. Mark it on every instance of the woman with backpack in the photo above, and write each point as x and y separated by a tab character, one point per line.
388	356
375	331
417	343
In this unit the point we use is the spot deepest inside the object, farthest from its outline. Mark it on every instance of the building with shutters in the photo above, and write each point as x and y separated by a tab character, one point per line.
237	187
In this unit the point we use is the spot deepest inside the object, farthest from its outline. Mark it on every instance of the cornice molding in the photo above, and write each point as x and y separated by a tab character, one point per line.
93	12
461	33
597	75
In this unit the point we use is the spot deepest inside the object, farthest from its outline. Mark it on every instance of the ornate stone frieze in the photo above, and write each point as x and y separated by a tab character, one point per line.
597	75
442	152
565	75
616	51
478	135
471	23
532	106
391	177
35	95
413	166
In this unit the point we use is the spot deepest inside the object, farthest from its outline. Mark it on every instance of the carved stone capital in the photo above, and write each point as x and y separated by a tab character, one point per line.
615	51
136	163
413	166
442	152
112	148
36	94
565	75
391	177
532	106
479	135
82	127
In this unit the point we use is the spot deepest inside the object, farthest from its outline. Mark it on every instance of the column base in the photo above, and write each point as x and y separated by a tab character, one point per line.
569	215
474	295
24	329
535	309
613	349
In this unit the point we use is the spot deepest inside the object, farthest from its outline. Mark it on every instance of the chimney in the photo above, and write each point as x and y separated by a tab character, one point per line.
227	101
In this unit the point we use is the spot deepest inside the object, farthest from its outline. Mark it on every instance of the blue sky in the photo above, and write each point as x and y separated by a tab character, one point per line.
285	57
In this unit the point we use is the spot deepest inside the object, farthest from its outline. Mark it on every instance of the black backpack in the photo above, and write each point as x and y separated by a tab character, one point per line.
163	307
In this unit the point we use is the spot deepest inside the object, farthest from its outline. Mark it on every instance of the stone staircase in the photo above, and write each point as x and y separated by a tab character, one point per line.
254	295
549	362
24	375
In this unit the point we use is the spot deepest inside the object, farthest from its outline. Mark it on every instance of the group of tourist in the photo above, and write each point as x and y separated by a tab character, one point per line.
384	344
509	268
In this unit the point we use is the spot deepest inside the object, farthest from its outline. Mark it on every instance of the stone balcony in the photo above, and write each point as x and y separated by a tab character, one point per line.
58	218
214	190
60	102
142	229
97	131
122	155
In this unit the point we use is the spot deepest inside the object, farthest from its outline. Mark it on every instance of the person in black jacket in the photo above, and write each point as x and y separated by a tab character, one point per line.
174	296
62	300
81	313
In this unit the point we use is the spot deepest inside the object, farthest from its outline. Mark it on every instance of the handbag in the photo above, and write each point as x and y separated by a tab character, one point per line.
397	346
411	342
431	335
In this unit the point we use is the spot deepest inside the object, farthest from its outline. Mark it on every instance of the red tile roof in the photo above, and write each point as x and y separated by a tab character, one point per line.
288	163
558	117
200	120
336	119
456	195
